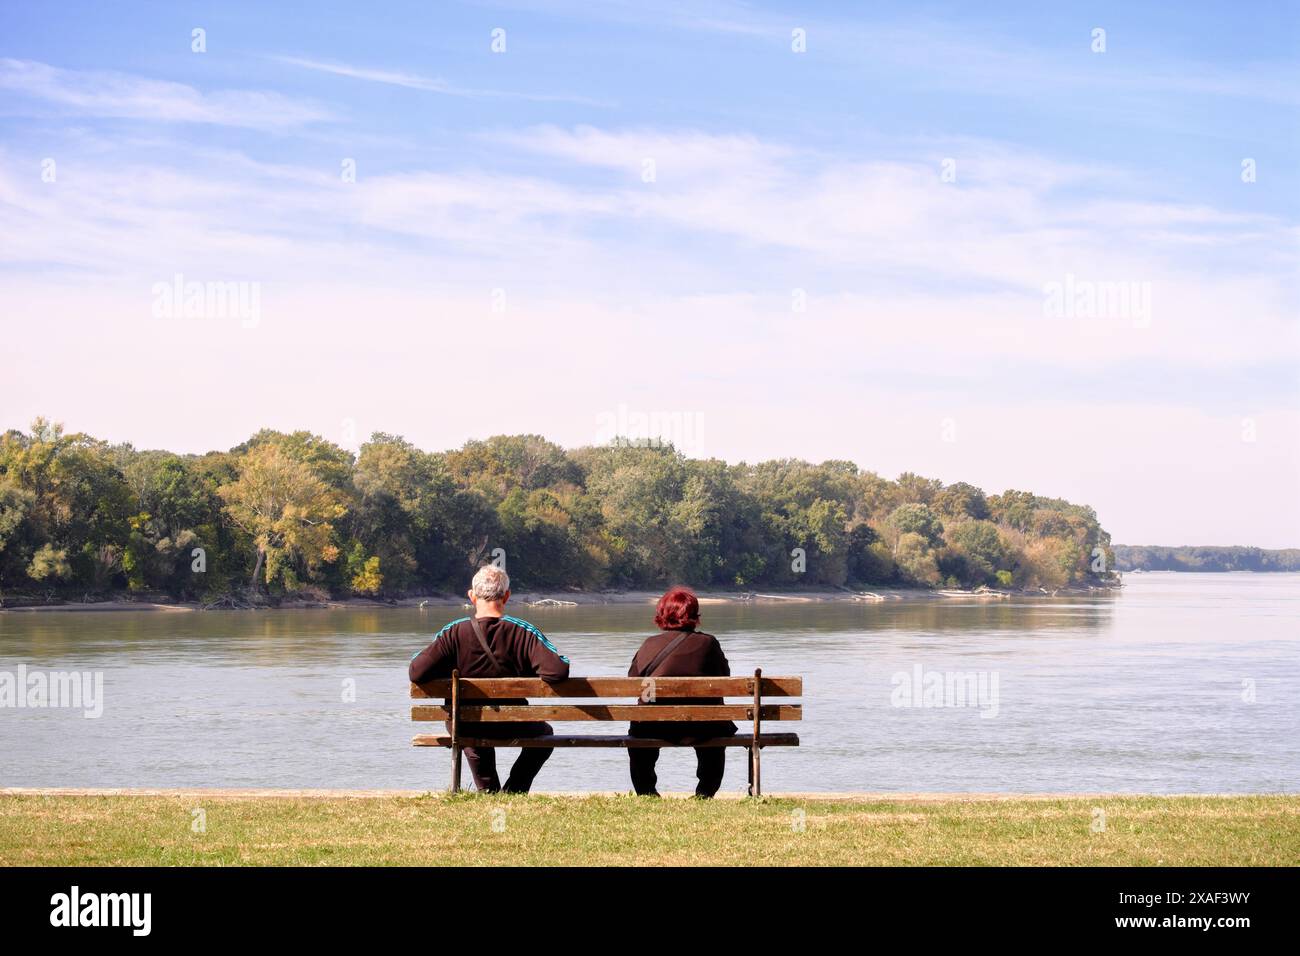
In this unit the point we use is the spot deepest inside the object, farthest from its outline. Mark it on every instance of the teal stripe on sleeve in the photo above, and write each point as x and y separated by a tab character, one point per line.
445	628
537	634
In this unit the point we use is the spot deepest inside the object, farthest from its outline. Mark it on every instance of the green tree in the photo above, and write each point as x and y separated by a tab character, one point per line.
960	501
15	503
287	511
980	543
917	519
915	559
75	501
404	511
915	489
171	503
280	508
869	560
363	572
637	488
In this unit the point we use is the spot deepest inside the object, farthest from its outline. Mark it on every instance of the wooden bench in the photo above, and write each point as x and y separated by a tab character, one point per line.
469	699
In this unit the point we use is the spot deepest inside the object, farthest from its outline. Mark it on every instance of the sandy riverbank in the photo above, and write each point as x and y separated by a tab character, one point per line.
583	598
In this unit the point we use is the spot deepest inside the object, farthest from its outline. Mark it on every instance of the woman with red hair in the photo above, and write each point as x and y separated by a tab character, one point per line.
679	650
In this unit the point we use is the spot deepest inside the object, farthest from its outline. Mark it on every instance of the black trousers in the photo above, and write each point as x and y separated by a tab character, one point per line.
483	760
483	766
709	765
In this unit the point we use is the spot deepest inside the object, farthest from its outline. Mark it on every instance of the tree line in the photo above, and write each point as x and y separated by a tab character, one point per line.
294	514
1207	558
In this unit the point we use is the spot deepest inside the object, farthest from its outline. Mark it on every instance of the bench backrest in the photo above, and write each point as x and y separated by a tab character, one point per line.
475	698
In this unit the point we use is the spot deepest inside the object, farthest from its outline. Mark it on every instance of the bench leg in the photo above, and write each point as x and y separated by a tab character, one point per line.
455	731
750	773
755	770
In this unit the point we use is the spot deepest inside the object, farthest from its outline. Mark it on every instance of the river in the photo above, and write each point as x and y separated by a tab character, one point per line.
1182	683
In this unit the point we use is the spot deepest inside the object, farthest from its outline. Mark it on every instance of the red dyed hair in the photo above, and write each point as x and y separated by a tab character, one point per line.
678	610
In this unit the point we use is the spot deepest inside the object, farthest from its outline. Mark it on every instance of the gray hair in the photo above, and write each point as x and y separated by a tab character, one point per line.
491	583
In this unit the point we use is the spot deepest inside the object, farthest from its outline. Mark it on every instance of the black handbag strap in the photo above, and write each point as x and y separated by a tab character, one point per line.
482	639
649	669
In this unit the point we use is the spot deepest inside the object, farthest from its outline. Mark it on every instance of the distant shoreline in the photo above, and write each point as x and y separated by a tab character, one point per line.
535	599
1197	559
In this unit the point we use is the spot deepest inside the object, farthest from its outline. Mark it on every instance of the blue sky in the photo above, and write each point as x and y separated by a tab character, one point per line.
798	276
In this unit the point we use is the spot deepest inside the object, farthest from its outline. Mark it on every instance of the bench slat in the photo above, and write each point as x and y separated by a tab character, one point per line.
568	740
497	687
489	713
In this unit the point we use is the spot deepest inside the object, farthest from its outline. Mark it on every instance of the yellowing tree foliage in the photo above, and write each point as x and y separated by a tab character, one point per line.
287	511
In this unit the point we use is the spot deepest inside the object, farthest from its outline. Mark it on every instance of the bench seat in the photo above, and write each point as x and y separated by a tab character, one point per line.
605	740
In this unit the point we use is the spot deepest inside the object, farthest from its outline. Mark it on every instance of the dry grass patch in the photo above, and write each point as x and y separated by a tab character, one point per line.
612	830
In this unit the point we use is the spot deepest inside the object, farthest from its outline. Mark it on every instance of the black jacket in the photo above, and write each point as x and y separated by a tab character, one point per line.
521	648
700	655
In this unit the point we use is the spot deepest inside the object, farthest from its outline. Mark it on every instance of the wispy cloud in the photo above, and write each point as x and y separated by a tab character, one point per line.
116	95
884	250
973	56
682	153
427	84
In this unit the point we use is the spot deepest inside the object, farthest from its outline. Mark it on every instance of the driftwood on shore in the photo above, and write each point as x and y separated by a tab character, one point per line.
228	602
984	592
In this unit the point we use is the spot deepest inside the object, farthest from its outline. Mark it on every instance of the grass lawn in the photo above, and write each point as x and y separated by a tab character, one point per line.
614	830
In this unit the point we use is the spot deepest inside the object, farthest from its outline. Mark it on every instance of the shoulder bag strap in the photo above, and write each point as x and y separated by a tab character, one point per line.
482	640
662	656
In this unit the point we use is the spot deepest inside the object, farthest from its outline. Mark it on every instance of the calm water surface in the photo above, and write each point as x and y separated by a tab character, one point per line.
1183	683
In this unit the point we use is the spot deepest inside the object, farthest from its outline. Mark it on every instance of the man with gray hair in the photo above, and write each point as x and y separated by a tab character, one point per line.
492	644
